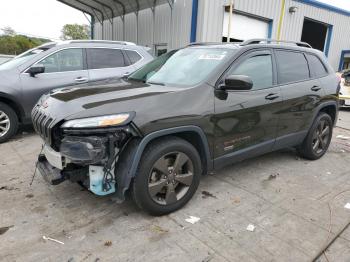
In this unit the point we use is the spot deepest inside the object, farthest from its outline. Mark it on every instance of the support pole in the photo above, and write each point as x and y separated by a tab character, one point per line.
229	21
280	23
154	28
123	20
170	2
194	20
137	21
137	27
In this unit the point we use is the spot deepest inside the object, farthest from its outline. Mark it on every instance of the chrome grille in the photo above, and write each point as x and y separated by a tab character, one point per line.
41	123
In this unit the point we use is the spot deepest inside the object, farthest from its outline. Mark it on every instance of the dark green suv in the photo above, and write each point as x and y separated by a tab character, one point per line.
186	113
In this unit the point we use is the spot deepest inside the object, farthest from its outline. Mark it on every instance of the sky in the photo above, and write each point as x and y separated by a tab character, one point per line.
343	4
45	18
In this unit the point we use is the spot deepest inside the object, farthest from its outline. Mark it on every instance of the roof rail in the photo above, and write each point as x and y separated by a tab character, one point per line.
271	41
101	42
204	43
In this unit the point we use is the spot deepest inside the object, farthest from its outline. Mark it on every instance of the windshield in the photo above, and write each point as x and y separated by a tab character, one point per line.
184	67
20	59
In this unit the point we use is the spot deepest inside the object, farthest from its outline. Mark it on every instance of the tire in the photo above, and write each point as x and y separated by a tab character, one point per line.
153	190
310	148
8	122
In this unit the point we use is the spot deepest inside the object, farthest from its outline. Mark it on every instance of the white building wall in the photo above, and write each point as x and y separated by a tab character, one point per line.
145	28
176	33
130	28
162	24
118	28
210	27
171	28
292	28
181	29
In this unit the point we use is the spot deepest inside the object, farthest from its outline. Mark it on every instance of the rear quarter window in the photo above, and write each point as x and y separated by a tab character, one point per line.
133	56
292	67
317	68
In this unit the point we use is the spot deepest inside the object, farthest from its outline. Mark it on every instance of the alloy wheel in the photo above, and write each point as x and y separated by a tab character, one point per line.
170	178
4	123
320	139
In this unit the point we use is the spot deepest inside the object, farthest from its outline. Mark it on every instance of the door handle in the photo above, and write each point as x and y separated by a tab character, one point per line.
272	96
126	74
315	88
81	79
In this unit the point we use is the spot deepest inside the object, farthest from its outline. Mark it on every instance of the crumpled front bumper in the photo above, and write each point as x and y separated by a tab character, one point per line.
55	176
51	174
99	159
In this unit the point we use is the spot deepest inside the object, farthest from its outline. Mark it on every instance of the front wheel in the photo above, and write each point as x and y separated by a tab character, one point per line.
8	122
167	177
318	139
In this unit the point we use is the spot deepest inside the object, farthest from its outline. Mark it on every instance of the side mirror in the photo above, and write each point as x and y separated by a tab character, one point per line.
237	82
36	69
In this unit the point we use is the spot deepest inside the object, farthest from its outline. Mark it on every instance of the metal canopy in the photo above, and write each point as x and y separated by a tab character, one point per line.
108	9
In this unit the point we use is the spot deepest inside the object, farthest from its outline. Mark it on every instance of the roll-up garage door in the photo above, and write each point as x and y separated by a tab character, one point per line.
244	27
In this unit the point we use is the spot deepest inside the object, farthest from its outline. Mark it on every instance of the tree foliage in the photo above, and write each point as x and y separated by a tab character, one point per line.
13	44
75	32
9	31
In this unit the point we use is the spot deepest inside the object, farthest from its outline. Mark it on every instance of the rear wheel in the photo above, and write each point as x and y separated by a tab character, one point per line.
167	177
318	139
8	122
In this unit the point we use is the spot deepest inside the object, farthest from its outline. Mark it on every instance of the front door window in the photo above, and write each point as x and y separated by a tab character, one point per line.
64	61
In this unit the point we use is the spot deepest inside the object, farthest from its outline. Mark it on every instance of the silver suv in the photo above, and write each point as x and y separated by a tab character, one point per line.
54	65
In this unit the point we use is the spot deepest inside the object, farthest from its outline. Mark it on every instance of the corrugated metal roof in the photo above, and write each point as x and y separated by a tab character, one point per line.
108	9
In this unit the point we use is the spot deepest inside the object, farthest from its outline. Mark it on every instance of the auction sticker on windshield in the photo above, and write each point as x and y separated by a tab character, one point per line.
212	56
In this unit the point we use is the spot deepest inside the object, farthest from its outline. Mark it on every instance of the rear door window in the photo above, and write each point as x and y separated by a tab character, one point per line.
133	56
98	58
292	67
316	66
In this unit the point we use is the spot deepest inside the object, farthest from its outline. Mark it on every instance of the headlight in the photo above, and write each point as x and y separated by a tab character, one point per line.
99	121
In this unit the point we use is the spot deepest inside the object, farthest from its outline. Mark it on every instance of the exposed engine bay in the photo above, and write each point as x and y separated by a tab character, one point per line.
86	156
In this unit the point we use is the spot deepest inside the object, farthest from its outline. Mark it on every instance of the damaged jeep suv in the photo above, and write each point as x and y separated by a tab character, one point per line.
186	113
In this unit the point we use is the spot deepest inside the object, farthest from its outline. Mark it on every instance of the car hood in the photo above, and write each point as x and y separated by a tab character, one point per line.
112	96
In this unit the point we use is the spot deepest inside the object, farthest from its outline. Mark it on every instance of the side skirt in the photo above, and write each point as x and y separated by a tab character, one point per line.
243	154
290	140
260	149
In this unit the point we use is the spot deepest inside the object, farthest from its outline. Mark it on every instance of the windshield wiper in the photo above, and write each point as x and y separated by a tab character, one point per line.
156	83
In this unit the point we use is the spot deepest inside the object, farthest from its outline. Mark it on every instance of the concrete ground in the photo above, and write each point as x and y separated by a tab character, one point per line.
296	206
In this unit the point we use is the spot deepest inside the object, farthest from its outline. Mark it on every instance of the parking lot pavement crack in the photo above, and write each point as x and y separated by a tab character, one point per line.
286	210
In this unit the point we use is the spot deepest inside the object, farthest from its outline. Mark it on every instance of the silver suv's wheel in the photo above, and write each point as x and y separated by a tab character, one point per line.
8	122
4	123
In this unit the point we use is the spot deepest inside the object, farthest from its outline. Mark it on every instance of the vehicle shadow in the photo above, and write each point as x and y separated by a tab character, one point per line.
23	132
345	109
